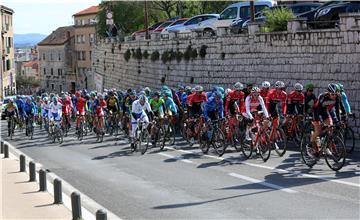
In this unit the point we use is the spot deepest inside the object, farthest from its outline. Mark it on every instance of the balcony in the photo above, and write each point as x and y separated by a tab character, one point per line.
5	28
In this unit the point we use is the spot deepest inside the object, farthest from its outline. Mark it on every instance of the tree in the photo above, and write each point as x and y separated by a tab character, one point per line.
164	6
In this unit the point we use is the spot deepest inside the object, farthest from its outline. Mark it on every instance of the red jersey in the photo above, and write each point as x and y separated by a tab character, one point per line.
195	98
66	105
80	104
100	107
264	92
275	96
296	97
234	96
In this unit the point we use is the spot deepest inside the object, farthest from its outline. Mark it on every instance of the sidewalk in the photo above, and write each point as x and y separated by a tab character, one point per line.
20	199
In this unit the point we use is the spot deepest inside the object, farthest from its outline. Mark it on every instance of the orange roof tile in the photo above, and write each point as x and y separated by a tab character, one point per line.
31	64
91	10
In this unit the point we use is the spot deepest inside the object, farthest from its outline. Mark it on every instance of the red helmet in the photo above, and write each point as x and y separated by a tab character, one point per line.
77	93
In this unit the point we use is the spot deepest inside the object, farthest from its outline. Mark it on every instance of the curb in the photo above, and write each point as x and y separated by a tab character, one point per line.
88	206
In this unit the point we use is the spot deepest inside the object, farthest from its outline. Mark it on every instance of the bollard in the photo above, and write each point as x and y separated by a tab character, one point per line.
32	172
42	180
22	163
57	192
76	206
2	147
6	151
101	215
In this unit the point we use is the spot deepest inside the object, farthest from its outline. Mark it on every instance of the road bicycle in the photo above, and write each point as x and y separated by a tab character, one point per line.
191	129
233	133
56	132
99	128
29	127
169	131
142	138
11	126
331	146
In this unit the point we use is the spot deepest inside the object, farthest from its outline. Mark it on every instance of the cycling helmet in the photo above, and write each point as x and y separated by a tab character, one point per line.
238	86
45	99
100	96
105	90
218	94
298	87
11	100
142	98
198	88
187	89
181	87
227	91
147	90
341	87
28	98
55	100
333	88
279	85
87	96
255	89
77	93
265	84
18	97
156	94
92	94
309	86
167	93
111	93
132	93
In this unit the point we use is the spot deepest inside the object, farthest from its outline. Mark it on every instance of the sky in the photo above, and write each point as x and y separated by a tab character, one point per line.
44	16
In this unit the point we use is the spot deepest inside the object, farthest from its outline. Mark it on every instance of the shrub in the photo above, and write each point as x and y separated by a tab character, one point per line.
165	57
172	55
202	51
145	54
179	56
155	55
127	55
276	20
187	53
137	54
194	54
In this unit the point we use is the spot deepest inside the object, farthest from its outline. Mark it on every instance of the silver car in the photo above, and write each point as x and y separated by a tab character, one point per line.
190	24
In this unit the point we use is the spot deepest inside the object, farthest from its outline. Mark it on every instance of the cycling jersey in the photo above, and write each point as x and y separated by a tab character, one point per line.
20	105
345	102
11	109
138	110
80	105
309	102
55	111
157	106
170	104
253	104
98	107
45	109
66	105
273	98
325	104
230	103
213	110
29	108
194	102
295	103
264	92
112	103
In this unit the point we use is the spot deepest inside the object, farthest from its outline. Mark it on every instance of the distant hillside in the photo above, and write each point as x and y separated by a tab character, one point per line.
23	40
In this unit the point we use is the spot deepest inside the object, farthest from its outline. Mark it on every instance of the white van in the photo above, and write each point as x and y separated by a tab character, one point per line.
232	13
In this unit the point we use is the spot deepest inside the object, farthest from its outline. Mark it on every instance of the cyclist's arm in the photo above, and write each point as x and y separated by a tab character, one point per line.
346	102
247	107
262	104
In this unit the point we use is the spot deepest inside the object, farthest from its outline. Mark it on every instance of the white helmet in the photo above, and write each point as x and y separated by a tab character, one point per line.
279	85
265	84
298	87
239	86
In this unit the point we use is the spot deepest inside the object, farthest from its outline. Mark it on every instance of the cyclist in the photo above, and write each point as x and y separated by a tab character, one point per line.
325	103
247	90
296	101
55	111
253	103
20	105
80	108
180	92
11	110
157	105
184	96
212	92
213	108
147	92
112	102
138	114
98	107
234	100
344	99
169	104
274	97
196	101
310	99
265	87
66	108
29	112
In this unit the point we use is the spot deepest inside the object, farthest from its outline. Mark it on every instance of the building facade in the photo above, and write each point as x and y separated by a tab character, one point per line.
57	61
85	37
8	75
30	69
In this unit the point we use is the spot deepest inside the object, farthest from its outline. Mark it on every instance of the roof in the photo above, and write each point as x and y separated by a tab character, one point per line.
2	7
31	64
88	11
58	37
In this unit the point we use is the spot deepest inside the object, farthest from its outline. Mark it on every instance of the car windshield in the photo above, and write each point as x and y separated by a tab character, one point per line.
178	22
154	26
165	24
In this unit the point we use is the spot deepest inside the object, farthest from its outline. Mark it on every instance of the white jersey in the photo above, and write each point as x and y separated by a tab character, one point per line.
55	111
251	105
139	109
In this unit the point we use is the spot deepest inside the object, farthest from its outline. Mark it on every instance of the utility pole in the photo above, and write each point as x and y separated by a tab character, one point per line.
146	20
252	11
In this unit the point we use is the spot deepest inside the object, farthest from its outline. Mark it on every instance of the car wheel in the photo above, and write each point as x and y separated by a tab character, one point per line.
209	32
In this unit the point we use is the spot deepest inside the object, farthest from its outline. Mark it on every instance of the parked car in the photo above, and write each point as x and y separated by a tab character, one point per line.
241	24
232	13
190	24
150	29
327	15
173	23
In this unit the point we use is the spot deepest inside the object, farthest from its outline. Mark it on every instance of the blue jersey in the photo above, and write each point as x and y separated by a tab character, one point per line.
213	106
29	108
170	104
345	101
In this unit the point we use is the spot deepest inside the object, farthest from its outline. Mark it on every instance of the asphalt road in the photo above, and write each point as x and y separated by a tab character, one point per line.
182	183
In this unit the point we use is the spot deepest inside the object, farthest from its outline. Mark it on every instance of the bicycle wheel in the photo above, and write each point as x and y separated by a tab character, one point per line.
11	127
264	146
80	131
161	137
60	136
203	139
349	140
169	137
31	132
335	153
307	151
238	139
144	143
280	142
218	142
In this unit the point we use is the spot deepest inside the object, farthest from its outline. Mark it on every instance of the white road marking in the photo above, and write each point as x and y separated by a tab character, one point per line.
176	158
270	185
298	173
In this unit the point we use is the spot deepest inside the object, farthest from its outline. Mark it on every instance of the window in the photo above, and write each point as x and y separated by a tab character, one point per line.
8	65
43	56
59	56
195	20
82	22
44	71
90	55
245	10
78	39
83	55
91	38
52	71
60	72
230	13
47	84
60	88
83	39
52	86
51	57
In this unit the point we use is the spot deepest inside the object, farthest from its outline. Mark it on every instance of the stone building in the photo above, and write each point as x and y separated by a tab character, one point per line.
85	37
31	69
8	84
57	61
